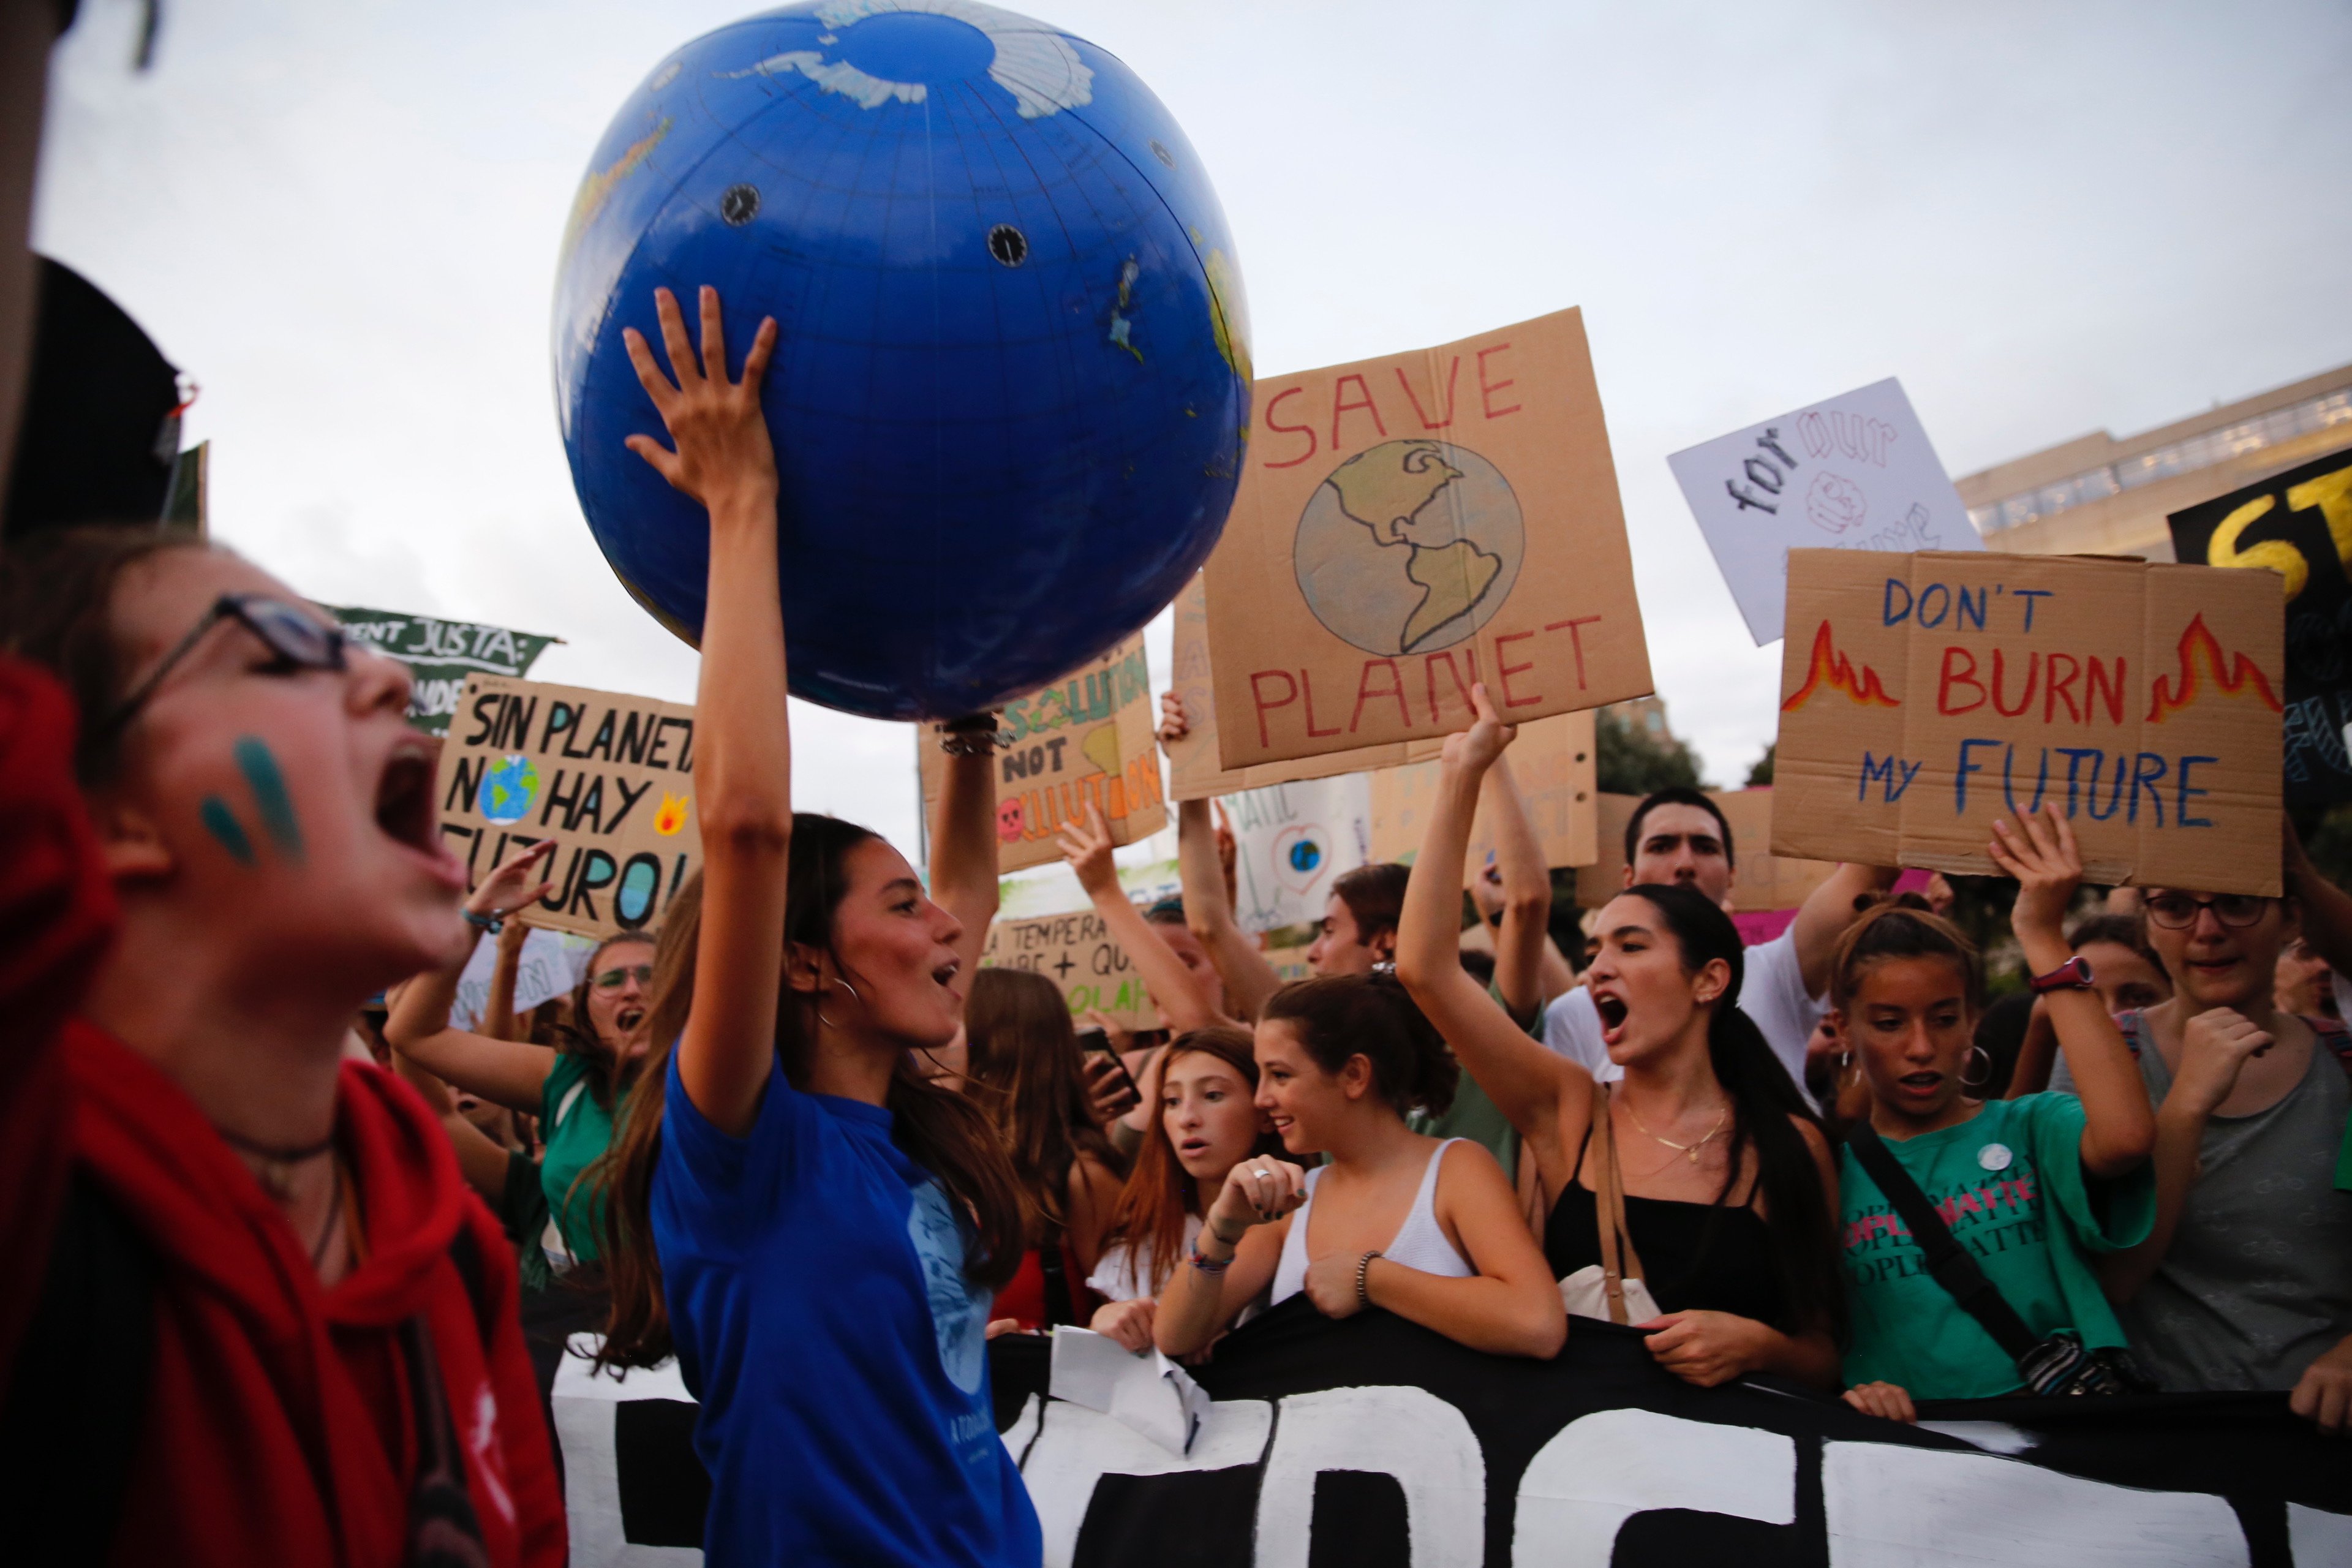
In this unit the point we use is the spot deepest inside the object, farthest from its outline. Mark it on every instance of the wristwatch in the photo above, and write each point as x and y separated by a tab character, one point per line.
2074	974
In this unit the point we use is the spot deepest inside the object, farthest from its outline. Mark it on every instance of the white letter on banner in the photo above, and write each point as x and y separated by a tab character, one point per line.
1077	1446
1894	1507
586	1407
1600	1470
1407	1433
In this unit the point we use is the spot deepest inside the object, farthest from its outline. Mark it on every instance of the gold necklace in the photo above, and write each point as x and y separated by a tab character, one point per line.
1690	1150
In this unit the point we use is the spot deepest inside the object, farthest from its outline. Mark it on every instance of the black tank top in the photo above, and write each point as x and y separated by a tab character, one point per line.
1694	1256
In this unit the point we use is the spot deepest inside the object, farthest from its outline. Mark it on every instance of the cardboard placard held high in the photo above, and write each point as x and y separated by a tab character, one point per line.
1409	525
1084	739
609	777
1922	696
1076	953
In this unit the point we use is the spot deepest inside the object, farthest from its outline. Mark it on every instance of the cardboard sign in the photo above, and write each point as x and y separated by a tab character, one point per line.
1761	881
1552	762
440	655
1291	841
1195	770
2299	525
1922	696
1075	952
1407	526
1084	739
1853	472
608	777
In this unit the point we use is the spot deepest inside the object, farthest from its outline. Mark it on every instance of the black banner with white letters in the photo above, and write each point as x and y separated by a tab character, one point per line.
1374	1443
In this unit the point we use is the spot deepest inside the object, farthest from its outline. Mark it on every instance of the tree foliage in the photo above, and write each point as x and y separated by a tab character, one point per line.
1629	760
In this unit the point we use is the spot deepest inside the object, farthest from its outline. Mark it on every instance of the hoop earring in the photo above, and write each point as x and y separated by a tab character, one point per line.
854	997
1982	1080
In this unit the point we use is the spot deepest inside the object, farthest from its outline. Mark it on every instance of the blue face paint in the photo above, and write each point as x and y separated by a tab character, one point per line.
221	823
270	796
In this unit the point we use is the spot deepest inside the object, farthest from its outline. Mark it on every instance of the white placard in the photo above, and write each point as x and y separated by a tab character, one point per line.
1291	841
1852	472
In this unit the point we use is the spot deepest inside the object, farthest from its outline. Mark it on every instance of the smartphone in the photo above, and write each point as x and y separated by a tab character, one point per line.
1093	1038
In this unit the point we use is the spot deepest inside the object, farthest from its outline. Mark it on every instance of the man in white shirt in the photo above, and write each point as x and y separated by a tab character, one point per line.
1677	835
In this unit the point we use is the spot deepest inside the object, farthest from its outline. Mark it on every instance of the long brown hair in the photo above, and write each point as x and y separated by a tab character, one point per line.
1022	1060
609	1071
1339	1017
938	1128
1160	1192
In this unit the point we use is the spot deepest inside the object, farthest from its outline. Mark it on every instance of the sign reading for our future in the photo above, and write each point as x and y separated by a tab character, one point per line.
440	655
1406	526
1076	953
609	777
1852	472
1086	740
1923	695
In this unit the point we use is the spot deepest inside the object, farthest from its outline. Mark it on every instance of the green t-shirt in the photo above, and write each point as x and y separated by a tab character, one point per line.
1476	1117
578	1131
2010	1184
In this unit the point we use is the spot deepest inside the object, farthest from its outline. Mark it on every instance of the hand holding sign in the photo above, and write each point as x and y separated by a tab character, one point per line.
2042	856
1477	747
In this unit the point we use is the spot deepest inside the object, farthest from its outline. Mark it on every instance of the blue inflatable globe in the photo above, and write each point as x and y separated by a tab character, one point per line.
1012	387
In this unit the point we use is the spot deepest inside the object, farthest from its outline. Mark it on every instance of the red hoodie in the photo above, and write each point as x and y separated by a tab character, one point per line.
280	1429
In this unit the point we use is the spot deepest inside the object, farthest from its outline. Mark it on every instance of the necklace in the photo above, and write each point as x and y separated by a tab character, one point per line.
1690	1150
334	1215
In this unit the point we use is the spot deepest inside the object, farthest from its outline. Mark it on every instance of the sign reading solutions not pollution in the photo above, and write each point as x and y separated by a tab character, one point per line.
1086	740
440	655
1075	952
609	777
2299	525
1923	695
1852	472
1408	526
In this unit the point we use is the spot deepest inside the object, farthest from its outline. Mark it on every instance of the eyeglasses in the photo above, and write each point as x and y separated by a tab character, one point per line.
2177	912
293	634
613	979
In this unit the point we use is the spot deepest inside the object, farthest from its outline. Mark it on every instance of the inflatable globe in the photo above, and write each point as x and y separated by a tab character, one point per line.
1012	387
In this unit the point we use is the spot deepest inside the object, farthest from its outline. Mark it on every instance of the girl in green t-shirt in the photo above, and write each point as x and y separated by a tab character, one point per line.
2033	1187
574	1089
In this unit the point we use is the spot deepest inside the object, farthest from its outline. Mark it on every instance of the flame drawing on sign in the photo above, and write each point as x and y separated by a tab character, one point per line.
672	815
2232	672
1834	670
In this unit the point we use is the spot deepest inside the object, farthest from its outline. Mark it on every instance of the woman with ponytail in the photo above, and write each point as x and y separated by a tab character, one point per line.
816	1227
1427	1228
1723	1175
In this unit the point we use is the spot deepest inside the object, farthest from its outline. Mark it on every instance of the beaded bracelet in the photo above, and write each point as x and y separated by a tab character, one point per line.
1363	1267
492	923
1206	1264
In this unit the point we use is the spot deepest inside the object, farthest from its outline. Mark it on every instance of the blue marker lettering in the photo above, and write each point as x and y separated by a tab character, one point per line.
1888	613
2142	779
2029	596
2182	792
1960	777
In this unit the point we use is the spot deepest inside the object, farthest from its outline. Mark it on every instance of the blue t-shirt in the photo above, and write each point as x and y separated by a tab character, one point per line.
818	1298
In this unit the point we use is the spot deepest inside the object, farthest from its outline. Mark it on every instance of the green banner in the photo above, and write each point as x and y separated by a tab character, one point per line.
440	655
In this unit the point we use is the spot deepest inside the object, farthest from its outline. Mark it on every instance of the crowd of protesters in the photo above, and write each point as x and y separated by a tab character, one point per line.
293	1309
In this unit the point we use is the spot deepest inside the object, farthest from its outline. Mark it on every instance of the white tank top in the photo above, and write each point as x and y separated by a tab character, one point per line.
1419	1241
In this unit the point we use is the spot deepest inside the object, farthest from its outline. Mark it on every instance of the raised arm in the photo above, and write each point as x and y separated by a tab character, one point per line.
1179	999
1526	1082
743	772
2118	1127
481	1160
510	1072
1208	906
963	840
1524	937
499	1019
1827	910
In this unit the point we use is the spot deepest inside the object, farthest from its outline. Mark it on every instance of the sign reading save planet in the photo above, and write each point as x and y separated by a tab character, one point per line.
1012	386
609	777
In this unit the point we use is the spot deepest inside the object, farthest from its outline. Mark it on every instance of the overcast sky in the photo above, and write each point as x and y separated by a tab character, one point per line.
342	217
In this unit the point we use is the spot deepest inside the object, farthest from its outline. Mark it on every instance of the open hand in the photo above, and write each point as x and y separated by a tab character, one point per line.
1705	1348
516	884
1883	1400
2041	853
2215	1046
724	452
1087	847
1477	747
1129	1322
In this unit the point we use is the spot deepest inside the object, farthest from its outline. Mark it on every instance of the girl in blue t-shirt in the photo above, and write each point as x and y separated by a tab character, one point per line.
814	1227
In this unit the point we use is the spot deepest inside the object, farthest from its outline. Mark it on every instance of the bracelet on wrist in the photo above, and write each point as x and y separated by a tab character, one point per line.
973	735
492	922
1364	1267
1207	1265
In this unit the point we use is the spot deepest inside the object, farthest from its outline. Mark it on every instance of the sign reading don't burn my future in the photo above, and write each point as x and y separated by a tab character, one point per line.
609	777
1408	527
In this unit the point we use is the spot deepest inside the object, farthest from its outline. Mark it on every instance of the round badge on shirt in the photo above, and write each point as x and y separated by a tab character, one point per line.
1994	1156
